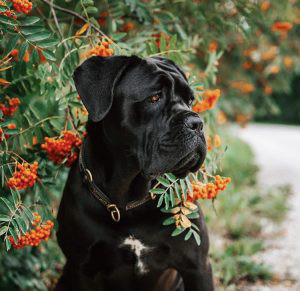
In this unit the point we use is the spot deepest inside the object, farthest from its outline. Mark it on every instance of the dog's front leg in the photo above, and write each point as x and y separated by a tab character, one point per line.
199	279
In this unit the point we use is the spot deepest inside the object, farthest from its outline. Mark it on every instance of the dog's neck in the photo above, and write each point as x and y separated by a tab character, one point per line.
116	173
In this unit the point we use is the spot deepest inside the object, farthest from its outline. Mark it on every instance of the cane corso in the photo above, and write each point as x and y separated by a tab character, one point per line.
140	126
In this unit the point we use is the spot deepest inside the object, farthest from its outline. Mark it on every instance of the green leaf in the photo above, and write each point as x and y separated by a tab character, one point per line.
172	197
8	244
177	190
23	49
28	213
28	20
167	200
34	56
178	231
56	124
169	221
195	226
189	184
4	217
173	42
91	10
11	44
184	188
38	36
39	135
157	191
28	30
163	43
7	20
49	55
193	215
8	204
47	43
21	225
88	2
24	218
3	230
13	222
16	198
197	237
3	8
163	181
118	36
171	177
11	131
160	201
188	235
14	234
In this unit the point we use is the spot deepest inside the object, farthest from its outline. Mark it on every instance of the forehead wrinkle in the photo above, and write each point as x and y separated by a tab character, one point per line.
147	78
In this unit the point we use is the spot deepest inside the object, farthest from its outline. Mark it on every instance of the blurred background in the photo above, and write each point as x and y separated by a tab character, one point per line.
242	58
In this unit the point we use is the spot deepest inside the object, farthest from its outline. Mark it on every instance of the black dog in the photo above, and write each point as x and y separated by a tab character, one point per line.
140	126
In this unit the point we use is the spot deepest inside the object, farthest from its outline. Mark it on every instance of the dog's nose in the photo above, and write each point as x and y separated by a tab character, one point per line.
194	122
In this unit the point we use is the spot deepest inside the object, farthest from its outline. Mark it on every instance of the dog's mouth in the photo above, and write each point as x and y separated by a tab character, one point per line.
190	163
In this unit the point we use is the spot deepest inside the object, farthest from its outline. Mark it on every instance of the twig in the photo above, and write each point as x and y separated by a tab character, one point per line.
57	24
65	10
170	51
36	124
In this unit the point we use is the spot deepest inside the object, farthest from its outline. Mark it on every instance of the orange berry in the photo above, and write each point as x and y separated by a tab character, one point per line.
62	149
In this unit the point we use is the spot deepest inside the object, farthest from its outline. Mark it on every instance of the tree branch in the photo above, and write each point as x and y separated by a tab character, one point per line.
65	10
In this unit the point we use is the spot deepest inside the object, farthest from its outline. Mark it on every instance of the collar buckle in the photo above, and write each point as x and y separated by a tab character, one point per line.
88	176
114	212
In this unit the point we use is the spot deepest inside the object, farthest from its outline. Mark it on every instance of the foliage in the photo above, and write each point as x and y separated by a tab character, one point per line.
40	48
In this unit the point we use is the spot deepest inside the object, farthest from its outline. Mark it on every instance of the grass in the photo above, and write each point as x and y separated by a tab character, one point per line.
236	228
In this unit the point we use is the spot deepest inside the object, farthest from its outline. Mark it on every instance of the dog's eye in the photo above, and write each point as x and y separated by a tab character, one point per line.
191	100
154	98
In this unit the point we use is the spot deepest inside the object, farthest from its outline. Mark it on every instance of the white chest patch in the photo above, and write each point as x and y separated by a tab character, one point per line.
139	250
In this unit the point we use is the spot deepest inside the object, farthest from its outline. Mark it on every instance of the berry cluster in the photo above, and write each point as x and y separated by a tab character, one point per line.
9	126
102	18
242	86
282	26
102	50
265	6
128	26
61	149
242	119
24	6
15	53
9	13
36	235
221	117
11	107
25	176
158	36
213	46
210	98
209	190
215	143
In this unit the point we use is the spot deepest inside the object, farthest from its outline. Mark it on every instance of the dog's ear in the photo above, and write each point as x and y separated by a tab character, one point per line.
95	80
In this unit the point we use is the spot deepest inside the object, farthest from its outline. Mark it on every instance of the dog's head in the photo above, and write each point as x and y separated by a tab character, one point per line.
144	106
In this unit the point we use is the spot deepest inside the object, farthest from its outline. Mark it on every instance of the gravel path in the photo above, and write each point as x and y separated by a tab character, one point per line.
277	150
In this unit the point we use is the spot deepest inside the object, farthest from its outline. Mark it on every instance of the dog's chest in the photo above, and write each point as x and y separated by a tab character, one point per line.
140	251
126	255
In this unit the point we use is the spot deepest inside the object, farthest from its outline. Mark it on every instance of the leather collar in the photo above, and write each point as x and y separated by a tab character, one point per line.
100	195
